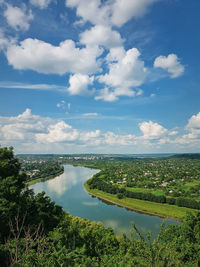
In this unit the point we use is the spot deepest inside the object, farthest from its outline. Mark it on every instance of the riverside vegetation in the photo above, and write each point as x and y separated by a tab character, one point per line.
40	168
34	231
171	182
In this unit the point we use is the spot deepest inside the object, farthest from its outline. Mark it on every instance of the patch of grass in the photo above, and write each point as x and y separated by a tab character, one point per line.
162	210
156	192
35	181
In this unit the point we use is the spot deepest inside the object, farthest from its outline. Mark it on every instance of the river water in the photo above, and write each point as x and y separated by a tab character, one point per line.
67	190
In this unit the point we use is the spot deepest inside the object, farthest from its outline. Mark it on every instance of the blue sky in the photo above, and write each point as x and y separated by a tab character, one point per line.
115	76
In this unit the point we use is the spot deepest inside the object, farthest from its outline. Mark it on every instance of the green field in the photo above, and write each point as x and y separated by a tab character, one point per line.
156	192
162	210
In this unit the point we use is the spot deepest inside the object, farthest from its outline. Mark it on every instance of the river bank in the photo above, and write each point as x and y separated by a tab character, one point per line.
49	177
156	209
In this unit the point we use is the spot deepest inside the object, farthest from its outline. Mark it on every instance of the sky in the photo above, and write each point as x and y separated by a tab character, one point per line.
97	76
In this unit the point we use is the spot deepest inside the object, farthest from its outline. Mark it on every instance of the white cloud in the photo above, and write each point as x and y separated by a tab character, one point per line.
124	10
28	133
115	54
58	132
79	84
92	11
152	130
4	41
22	127
116	12
101	35
90	136
171	64
126	71
33	54
18	18
129	71
106	95
111	138
193	128
194	123
40	3
48	87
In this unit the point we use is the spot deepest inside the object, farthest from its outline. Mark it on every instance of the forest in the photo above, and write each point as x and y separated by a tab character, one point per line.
34	231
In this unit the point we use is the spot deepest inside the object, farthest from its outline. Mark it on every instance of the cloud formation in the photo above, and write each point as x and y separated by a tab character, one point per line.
124	10
34	54
126	72
193	128
38	133
79	84
58	132
18	18
22	127
115	13
101	35
171	64
40	3
152	130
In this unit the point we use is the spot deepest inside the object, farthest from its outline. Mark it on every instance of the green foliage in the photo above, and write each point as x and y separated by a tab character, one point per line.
39	233
17	201
152	180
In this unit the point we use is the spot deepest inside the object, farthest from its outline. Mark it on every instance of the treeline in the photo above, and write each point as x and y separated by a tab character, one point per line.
98	183
36	232
41	170
187	156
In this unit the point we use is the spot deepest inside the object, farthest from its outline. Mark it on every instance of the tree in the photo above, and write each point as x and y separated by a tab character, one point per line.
17	200
12	188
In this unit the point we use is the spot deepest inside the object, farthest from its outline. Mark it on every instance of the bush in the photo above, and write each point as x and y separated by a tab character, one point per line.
120	195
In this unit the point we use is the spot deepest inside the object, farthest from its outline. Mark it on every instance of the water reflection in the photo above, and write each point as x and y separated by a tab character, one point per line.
67	190
89	203
62	183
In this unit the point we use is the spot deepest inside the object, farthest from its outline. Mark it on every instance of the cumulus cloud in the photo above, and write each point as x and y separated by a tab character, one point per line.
39	134
171	64
124	10
193	128
126	71
18	18
40	3
194	123
91	137
101	35
33	54
23	126
152	130
115	12
111	138
92	11
106	95
79	84
58	132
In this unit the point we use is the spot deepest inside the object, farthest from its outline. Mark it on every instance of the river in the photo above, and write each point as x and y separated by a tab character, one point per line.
67	190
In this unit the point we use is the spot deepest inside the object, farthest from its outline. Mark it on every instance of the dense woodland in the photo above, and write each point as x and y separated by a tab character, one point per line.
34	231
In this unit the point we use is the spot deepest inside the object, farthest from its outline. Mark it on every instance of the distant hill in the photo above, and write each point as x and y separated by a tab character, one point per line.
187	156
